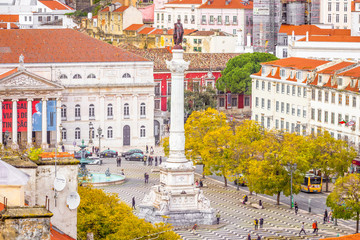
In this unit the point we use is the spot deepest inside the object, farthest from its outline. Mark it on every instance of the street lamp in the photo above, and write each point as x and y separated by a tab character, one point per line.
292	168
99	130
91	127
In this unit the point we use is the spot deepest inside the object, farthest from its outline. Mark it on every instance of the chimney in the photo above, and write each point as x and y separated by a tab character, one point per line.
307	36
8	26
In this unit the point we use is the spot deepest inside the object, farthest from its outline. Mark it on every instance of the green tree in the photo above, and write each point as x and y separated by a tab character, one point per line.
107	218
166	146
236	76
199	98
344	200
331	156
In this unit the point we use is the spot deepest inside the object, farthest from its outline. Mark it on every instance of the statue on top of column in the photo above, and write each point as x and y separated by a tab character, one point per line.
178	34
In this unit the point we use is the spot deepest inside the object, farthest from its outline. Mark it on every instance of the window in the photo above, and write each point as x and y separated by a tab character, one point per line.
63	76
234	19
304	112
257	84
320	78
247	101
211	19
339	136
91	111
293	127
268	122
312	114
282	88
332	118
109	132
337	7
298	111
339	118
319	115
282	72
304	92
77	76
157	104
262	103
169	18
142	110
142	131
298	75
63	133
227	21
77	134
110	110
329	6
329	18
77	112
126	110
256	101
293	109
282	107
293	90
313	94
277	123
263	85
25	18
333	98
195	49
285	53
299	91
277	106
91	76
337	18
287	126
222	102
29	18
234	102
288	89
169	88
48	18
268	104
287	108
345	7
340	99
256	117
157	89
63	112
319	95
277	87
345	18
282	124
219	19
326	96
262	120
347	100
126	75
40	19
203	19
158	17
354	102
269	86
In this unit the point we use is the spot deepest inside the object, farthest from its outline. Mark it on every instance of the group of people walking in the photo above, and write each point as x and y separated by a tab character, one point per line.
150	160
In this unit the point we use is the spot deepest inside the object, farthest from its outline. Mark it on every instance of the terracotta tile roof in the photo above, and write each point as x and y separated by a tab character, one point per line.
206	33
55	234
293	79
313	30
336	67
185	2
348	237
12	26
234	4
157	31
146	30
335	38
2	206
258	73
297	63
9	18
134	27
315	82
354	72
107	9
186	31
353	5
328	84
121	9
8	73
58	46
353	89
56	5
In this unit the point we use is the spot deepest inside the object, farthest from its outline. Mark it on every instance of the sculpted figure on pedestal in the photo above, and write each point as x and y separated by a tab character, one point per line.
178	34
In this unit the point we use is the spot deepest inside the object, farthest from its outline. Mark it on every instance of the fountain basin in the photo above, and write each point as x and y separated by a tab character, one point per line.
100	179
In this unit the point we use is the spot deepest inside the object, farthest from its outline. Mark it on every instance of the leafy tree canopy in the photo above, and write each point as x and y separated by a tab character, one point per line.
199	98
236	76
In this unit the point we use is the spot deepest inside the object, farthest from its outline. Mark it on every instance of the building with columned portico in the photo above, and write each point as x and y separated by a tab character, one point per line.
78	82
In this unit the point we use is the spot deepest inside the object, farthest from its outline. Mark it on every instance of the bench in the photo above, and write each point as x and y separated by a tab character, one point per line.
255	205
155	170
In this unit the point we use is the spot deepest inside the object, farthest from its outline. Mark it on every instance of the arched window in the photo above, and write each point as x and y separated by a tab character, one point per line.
63	112
77	112
77	76
142	110
63	76
126	110
142	131
126	75
91	111
91	76
109	132
110	110
77	134
63	133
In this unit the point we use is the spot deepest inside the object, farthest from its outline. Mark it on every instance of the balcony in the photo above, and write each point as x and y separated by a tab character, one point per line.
227	23
203	22
235	23
211	22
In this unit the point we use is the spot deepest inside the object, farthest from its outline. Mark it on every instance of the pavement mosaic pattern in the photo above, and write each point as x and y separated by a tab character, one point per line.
237	220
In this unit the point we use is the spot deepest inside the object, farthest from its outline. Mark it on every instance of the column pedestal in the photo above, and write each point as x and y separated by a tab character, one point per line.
176	197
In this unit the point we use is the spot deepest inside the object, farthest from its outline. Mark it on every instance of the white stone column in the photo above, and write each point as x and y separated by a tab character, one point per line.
58	120
44	124
29	123
177	67
1	122
14	123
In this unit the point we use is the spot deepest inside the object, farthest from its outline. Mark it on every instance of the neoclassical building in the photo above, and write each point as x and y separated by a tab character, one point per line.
82	84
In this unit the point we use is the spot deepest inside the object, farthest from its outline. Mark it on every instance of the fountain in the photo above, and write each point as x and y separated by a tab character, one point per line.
95	179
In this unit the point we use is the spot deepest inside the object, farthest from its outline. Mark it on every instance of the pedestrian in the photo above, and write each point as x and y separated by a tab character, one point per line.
261	220
149	160
122	172
145	177
151	150
133	203
296	208
201	184
147	149
325	216
196	183
144	160
260	203
160	160
330	216
218	217
93	149
63	148
314	226
156	161
258	238
249	237
302	229
119	158
245	199
256	224
317	226
194	228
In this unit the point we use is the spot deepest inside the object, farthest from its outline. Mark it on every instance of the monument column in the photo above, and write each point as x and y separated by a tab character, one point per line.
29	123
14	123
44	124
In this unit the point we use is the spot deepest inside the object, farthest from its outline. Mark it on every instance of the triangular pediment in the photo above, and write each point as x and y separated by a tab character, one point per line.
27	81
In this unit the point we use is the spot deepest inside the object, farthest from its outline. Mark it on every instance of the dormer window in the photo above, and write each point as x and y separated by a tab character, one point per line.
263	70
282	72
298	75
352	82
291	74
320	78
340	81
273	71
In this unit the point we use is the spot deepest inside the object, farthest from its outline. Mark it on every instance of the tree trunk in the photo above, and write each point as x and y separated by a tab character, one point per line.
327	183
203	171
250	192
278	199
357	222
225	181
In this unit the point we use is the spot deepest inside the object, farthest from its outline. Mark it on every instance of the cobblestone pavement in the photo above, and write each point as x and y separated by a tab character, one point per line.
237	220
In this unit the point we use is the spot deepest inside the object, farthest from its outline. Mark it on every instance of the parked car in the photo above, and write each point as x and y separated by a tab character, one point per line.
124	154
135	157
108	154
95	161
77	155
